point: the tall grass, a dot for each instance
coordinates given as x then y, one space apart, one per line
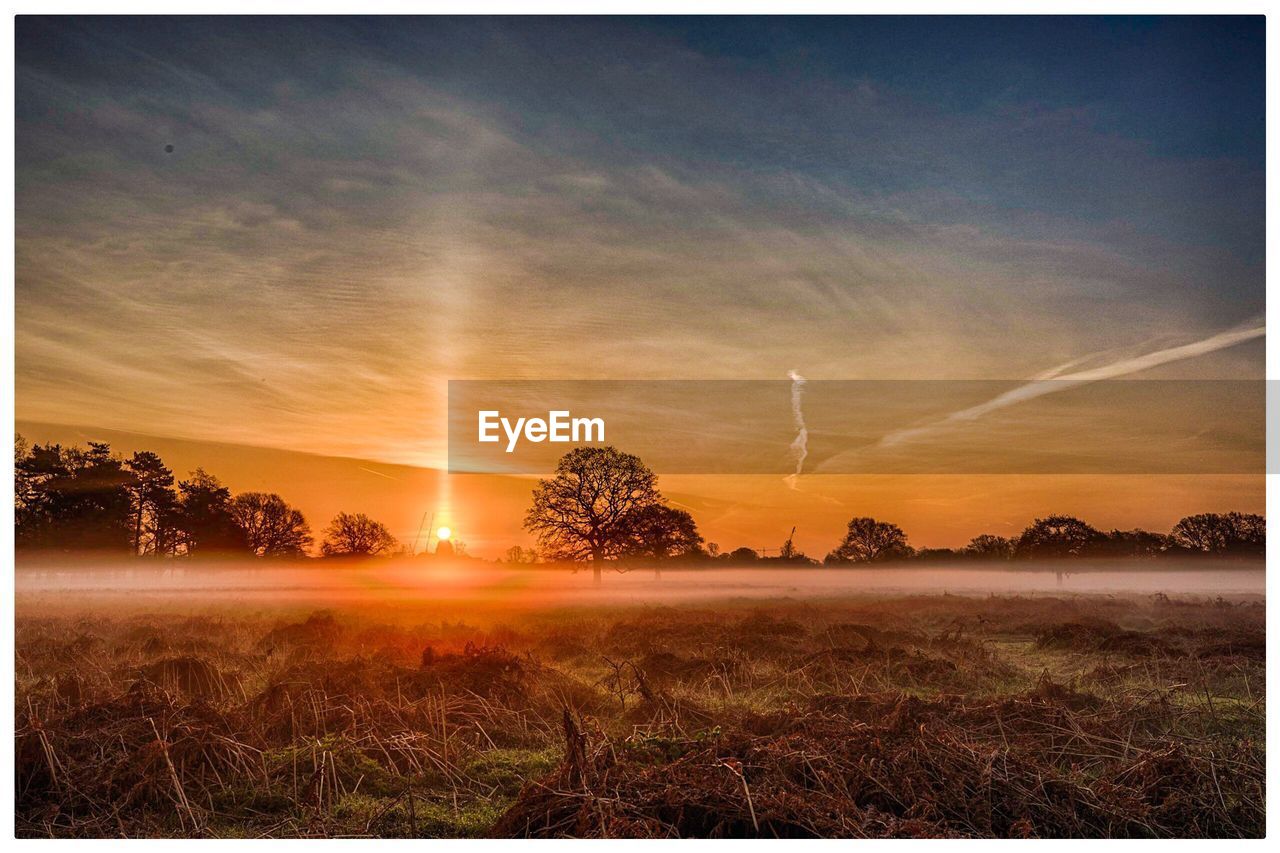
926 715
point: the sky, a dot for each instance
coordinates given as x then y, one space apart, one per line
291 233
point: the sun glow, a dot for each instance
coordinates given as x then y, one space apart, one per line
443 534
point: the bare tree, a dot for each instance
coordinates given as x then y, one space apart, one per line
356 535
585 510
517 554
1215 533
271 527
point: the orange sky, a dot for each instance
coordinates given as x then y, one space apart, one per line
289 235
756 511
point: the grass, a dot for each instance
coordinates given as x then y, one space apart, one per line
911 716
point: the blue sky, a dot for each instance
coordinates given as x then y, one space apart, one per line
356 210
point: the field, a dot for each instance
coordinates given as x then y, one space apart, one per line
927 715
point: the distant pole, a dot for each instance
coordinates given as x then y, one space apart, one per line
418 535
431 530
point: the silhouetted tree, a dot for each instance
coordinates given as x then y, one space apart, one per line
71 498
1250 533
271 527
21 486
517 554
26 493
585 511
1229 533
205 521
989 547
1130 543
743 555
660 533
871 541
356 535
1057 536
153 506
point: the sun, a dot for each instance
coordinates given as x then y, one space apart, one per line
443 534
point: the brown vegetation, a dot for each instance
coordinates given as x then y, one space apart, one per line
921 716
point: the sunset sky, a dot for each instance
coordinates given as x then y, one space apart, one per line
352 213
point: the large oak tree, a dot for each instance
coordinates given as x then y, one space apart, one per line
587 510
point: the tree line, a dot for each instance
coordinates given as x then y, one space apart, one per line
1062 536
74 498
602 506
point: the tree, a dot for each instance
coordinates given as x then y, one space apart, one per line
153 507
661 532
71 498
1214 533
1057 536
871 541
989 547
1131 543
743 555
1250 533
517 554
586 510
356 535
21 479
205 520
26 491
271 527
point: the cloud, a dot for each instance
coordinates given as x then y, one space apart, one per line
347 222
1056 380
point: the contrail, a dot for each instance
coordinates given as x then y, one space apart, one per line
376 473
800 444
1055 380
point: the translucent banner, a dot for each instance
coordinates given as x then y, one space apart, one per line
797 426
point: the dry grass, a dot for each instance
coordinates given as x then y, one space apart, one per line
920 716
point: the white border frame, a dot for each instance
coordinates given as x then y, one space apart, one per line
579 7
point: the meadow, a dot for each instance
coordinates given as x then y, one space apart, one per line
922 715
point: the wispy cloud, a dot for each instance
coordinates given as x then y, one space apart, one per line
344 225
1057 380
